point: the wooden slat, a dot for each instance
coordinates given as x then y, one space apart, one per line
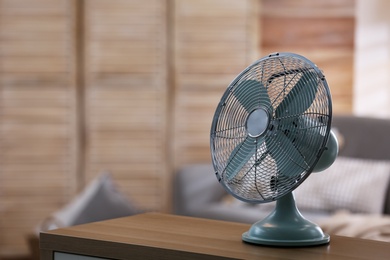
213 43
372 59
36 127
127 86
313 33
126 96
308 8
323 31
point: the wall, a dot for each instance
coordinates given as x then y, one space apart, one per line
131 87
372 59
37 115
321 30
122 86
83 90
124 96
213 42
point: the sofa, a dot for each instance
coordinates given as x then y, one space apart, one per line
357 185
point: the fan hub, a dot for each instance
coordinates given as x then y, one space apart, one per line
257 122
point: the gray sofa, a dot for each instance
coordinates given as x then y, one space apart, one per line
198 193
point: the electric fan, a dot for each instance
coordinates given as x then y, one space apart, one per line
270 130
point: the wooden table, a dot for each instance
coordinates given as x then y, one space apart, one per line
160 236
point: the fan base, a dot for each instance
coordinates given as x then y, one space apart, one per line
278 242
285 226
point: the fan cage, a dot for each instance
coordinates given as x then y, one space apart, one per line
261 178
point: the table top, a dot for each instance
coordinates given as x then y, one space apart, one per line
162 236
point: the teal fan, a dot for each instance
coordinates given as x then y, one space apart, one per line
270 131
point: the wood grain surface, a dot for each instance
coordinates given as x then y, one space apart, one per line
153 235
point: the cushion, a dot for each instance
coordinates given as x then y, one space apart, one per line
366 226
100 200
355 184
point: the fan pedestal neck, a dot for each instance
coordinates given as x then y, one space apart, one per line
285 226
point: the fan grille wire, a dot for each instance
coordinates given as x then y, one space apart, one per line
261 178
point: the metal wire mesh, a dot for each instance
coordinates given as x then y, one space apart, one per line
295 94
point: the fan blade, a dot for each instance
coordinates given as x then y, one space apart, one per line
251 94
293 103
289 160
241 155
310 134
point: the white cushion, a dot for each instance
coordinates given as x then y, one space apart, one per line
366 226
354 184
100 200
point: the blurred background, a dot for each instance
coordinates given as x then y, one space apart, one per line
130 87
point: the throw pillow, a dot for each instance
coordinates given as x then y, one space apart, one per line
354 184
100 200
